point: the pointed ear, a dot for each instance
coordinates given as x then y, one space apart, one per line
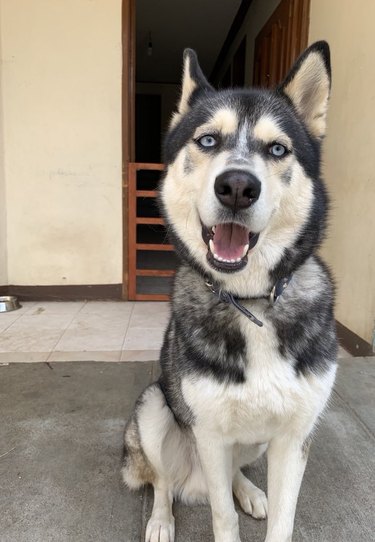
193 81
308 86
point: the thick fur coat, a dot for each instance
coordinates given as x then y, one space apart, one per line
246 209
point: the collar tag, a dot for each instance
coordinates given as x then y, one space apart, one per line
210 286
279 288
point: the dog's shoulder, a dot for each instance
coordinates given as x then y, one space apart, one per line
304 320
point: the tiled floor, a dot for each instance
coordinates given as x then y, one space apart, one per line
83 331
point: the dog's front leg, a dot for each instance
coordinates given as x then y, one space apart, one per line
216 460
287 458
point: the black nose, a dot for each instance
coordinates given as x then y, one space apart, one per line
237 189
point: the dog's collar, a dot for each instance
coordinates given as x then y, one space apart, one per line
277 290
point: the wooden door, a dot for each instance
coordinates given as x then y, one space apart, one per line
280 42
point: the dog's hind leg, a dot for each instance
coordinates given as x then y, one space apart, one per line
253 500
136 469
153 456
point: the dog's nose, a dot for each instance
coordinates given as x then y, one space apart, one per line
237 189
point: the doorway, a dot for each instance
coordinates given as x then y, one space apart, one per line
154 36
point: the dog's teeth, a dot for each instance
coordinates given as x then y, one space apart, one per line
213 229
245 250
211 245
238 260
232 261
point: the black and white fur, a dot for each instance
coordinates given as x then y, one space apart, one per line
229 390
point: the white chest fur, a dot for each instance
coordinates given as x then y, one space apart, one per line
272 397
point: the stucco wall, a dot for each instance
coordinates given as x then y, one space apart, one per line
349 156
61 64
3 239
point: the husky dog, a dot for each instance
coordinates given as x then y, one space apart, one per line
249 355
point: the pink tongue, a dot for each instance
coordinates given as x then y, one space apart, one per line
230 240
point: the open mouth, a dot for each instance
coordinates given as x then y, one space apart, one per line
228 246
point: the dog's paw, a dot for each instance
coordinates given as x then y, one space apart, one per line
227 539
253 500
160 530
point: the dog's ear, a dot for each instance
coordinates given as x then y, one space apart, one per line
308 86
193 82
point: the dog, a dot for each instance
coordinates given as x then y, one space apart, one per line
249 356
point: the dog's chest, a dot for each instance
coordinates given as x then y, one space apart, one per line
271 396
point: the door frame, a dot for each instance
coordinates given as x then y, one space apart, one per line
128 123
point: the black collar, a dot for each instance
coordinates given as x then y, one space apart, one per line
227 297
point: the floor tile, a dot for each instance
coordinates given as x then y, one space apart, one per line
23 357
140 355
29 340
139 338
96 355
7 318
56 307
41 322
90 340
95 332
108 307
152 307
150 315
99 321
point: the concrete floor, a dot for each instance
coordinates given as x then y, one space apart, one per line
61 445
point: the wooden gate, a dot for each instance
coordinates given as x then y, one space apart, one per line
143 213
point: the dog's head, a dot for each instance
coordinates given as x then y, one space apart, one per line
242 194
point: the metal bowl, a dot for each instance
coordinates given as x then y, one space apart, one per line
9 303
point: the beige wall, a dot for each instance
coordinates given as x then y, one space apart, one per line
257 16
350 155
3 240
61 65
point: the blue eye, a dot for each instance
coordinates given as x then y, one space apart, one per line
207 141
278 150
